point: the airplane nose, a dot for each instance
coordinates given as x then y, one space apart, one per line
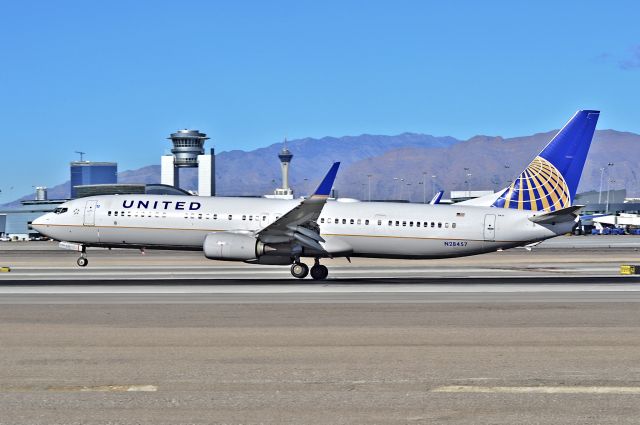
38 223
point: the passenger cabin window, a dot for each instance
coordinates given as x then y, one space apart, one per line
344 221
337 220
417 224
215 216
322 220
366 222
439 225
433 224
446 225
244 217
109 213
379 222
453 225
230 216
351 221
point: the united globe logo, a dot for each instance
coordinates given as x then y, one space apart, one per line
540 187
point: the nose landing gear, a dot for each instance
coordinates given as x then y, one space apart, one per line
83 260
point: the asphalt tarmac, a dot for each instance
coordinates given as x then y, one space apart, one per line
543 337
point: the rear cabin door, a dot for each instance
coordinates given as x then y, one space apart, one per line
490 227
90 213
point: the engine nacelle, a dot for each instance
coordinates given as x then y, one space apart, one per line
232 247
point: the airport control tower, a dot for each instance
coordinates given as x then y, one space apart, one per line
285 156
189 152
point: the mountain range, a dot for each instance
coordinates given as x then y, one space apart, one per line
401 166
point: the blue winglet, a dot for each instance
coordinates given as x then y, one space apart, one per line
437 197
327 183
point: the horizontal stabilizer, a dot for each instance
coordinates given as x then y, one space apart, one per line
557 216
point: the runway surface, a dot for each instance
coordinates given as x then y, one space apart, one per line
543 337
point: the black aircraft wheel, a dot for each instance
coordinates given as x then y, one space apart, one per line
319 272
82 261
299 270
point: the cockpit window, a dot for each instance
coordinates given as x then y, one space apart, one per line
60 210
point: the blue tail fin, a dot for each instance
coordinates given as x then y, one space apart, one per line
550 182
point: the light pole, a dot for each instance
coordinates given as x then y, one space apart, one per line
395 189
364 188
467 181
369 181
433 185
600 190
609 180
424 187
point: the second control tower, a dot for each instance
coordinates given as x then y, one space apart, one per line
189 152
285 156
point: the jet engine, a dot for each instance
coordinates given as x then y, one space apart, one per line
232 246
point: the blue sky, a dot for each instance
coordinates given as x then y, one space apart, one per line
115 78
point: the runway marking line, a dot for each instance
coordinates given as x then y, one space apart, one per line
106 388
536 390
83 389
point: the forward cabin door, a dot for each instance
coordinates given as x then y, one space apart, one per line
490 227
90 213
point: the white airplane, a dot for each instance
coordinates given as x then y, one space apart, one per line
535 207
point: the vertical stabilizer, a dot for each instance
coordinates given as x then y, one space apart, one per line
550 182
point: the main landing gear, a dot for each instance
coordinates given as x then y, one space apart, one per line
301 270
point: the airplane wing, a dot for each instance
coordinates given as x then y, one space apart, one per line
557 216
300 224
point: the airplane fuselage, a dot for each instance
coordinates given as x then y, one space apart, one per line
365 229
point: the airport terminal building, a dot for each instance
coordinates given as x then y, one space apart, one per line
90 173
